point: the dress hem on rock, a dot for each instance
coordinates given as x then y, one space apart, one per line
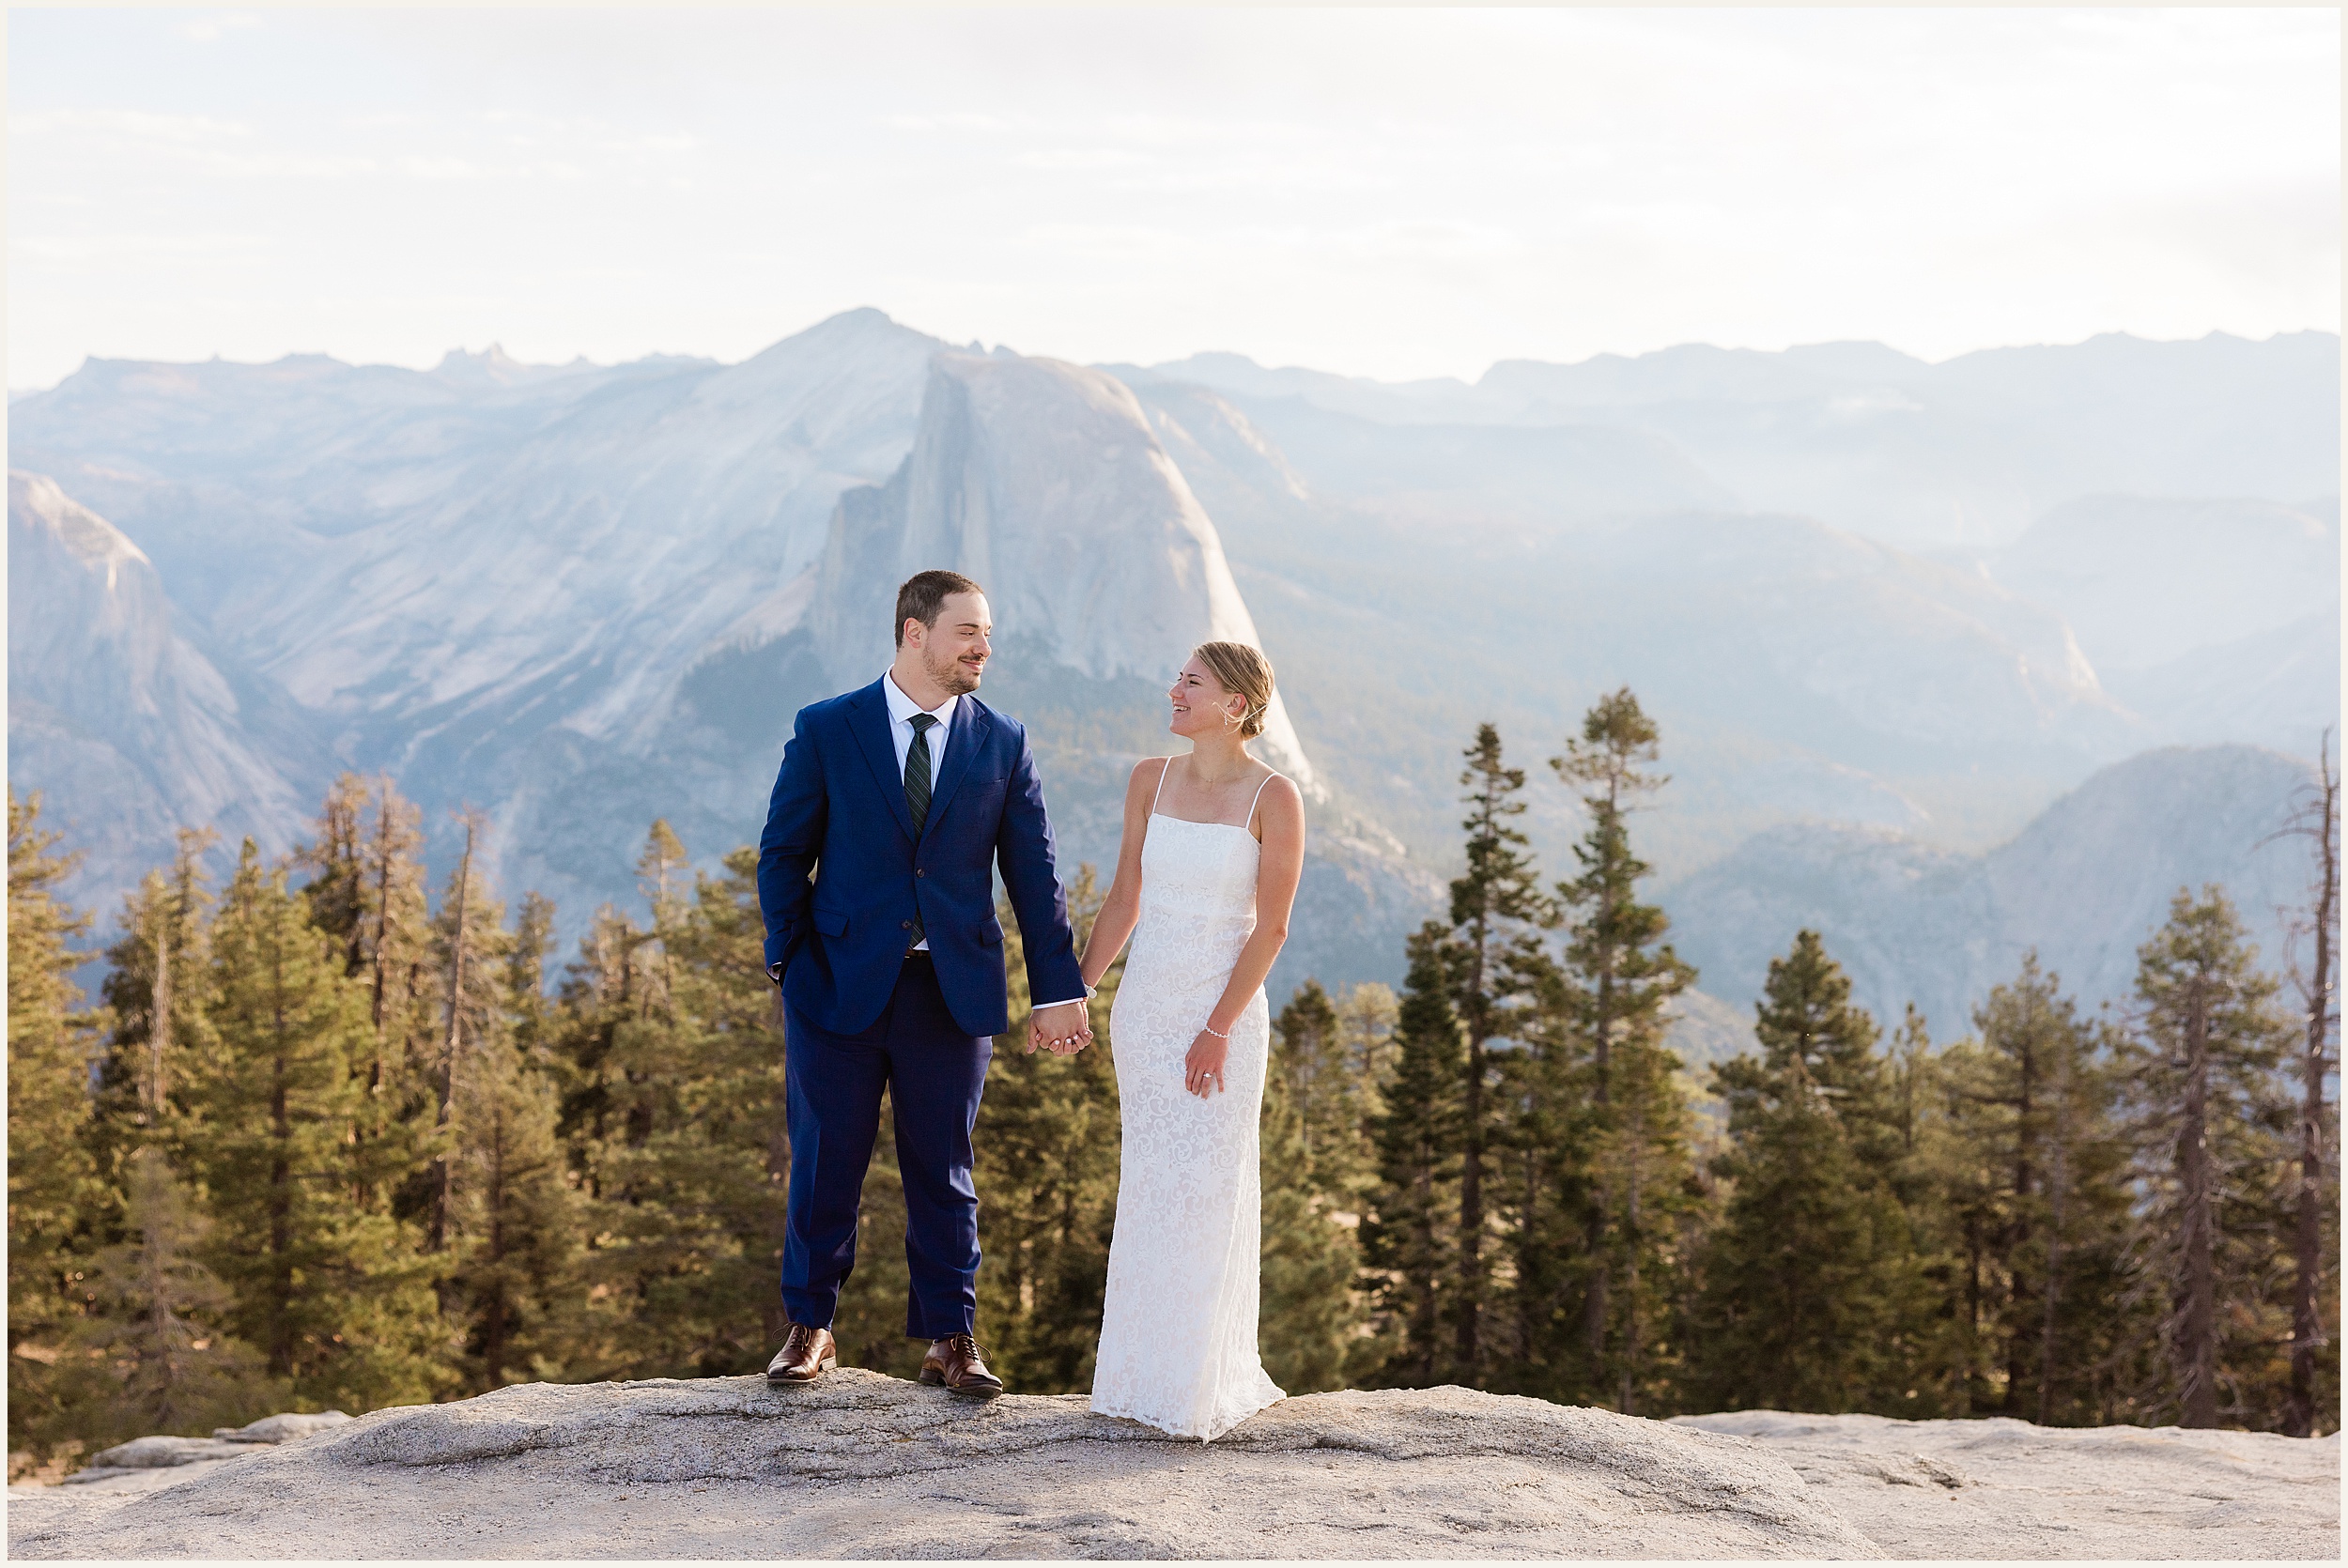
1209 1435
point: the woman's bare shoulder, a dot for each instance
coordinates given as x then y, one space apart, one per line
1280 786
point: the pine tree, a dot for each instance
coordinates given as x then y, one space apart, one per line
515 1226
1366 1014
1549 1201
2209 1125
1408 1239
669 1055
366 893
1315 1163
155 998
736 1098
1310 1318
1497 910
2034 1178
164 1363
515 1221
54 1195
1323 1074
1619 978
1810 1292
1806 1015
337 859
331 1295
396 931
2314 1399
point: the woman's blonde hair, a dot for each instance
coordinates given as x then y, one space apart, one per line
1244 671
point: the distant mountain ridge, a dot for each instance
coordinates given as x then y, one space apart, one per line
586 595
1966 452
2083 885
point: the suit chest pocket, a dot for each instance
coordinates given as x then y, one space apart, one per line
982 797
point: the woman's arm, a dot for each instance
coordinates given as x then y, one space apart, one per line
1281 811
1121 910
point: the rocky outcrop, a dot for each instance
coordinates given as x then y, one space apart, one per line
2004 1488
139 1459
1044 481
866 1466
861 1465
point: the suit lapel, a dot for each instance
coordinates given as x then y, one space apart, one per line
962 745
869 718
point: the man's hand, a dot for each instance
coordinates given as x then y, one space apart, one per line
1062 1030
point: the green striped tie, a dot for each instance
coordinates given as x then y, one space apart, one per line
918 792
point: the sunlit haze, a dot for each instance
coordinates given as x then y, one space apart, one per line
1389 194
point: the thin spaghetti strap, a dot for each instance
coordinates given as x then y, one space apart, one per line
1244 821
1164 769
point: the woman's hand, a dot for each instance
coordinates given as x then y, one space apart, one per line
1202 1068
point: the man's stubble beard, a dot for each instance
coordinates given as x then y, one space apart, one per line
950 674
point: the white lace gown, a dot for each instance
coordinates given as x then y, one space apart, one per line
1177 1328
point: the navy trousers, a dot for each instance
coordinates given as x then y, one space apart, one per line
934 1073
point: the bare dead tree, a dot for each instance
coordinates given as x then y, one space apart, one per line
2058 1181
158 1032
2317 821
452 1045
389 839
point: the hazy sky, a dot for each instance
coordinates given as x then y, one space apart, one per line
1385 192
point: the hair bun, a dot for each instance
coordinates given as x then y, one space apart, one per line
1245 672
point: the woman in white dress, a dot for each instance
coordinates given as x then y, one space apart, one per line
1214 844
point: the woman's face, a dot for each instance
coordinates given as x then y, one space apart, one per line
1201 706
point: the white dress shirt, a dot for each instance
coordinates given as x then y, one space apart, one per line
901 711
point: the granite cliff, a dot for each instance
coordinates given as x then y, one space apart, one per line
865 1465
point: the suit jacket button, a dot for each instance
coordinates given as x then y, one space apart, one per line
918 872
905 925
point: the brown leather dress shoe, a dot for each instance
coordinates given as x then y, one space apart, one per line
958 1365
806 1355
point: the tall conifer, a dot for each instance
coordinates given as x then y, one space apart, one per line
1619 978
672 1063
2313 1401
1497 910
1810 1291
2209 1124
163 1360
515 1221
1316 1170
1409 1239
155 991
2032 1178
54 1195
330 1294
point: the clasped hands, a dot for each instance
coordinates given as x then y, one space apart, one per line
1062 1030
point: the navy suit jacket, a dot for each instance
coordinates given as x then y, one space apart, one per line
841 873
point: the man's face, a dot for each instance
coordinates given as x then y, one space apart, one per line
955 650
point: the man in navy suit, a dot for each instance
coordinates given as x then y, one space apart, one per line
876 875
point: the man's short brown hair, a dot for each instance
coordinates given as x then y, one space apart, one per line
923 596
